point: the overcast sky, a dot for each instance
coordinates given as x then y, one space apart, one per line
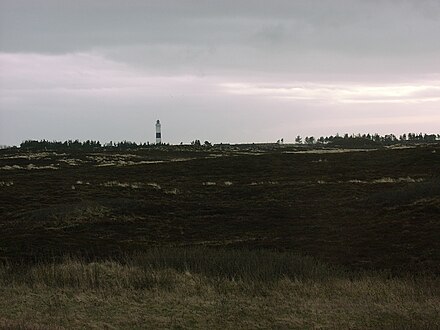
223 71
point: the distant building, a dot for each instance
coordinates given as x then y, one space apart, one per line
158 133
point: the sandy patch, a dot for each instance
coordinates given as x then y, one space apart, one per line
264 183
29 167
72 161
397 180
127 163
133 185
38 155
209 183
386 180
79 182
174 191
154 185
327 151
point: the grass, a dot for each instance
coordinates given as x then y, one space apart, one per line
189 288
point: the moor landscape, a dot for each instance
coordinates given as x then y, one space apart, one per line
250 236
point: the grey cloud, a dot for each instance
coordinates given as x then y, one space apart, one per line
108 69
400 28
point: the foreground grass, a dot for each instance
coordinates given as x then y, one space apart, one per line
204 288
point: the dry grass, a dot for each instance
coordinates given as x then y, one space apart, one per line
202 288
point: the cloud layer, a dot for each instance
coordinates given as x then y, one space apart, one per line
232 71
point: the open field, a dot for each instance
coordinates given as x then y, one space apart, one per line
262 235
204 288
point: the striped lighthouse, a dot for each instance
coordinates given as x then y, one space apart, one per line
158 133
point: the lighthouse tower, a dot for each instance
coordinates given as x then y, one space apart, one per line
158 133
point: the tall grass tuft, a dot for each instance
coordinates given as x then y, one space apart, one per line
160 267
260 265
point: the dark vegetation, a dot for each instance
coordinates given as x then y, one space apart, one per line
370 210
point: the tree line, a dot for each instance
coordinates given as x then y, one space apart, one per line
358 140
89 145
369 139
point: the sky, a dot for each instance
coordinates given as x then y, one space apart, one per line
223 71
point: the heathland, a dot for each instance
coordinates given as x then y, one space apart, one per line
250 236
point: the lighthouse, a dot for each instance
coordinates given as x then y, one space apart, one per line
158 133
